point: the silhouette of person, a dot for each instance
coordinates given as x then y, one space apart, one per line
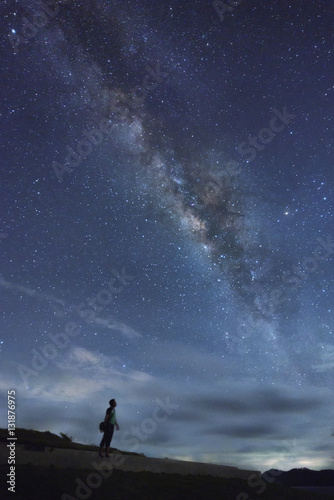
111 422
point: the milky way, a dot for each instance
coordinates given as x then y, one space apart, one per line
166 224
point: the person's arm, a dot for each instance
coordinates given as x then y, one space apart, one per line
117 426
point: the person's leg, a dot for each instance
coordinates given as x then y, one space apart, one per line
103 441
108 447
110 435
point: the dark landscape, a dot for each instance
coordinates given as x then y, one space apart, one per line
50 483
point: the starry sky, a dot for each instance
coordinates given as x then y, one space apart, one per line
166 234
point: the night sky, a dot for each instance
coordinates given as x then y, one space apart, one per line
166 234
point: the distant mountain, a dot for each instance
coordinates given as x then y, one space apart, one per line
300 477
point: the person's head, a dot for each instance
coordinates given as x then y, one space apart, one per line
112 403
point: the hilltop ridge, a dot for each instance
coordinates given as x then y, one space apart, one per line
39 440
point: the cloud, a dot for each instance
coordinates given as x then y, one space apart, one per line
326 356
73 376
30 292
113 324
80 383
254 431
162 436
273 401
224 418
108 322
227 405
187 416
277 401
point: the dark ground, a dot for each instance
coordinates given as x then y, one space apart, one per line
48 483
34 483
